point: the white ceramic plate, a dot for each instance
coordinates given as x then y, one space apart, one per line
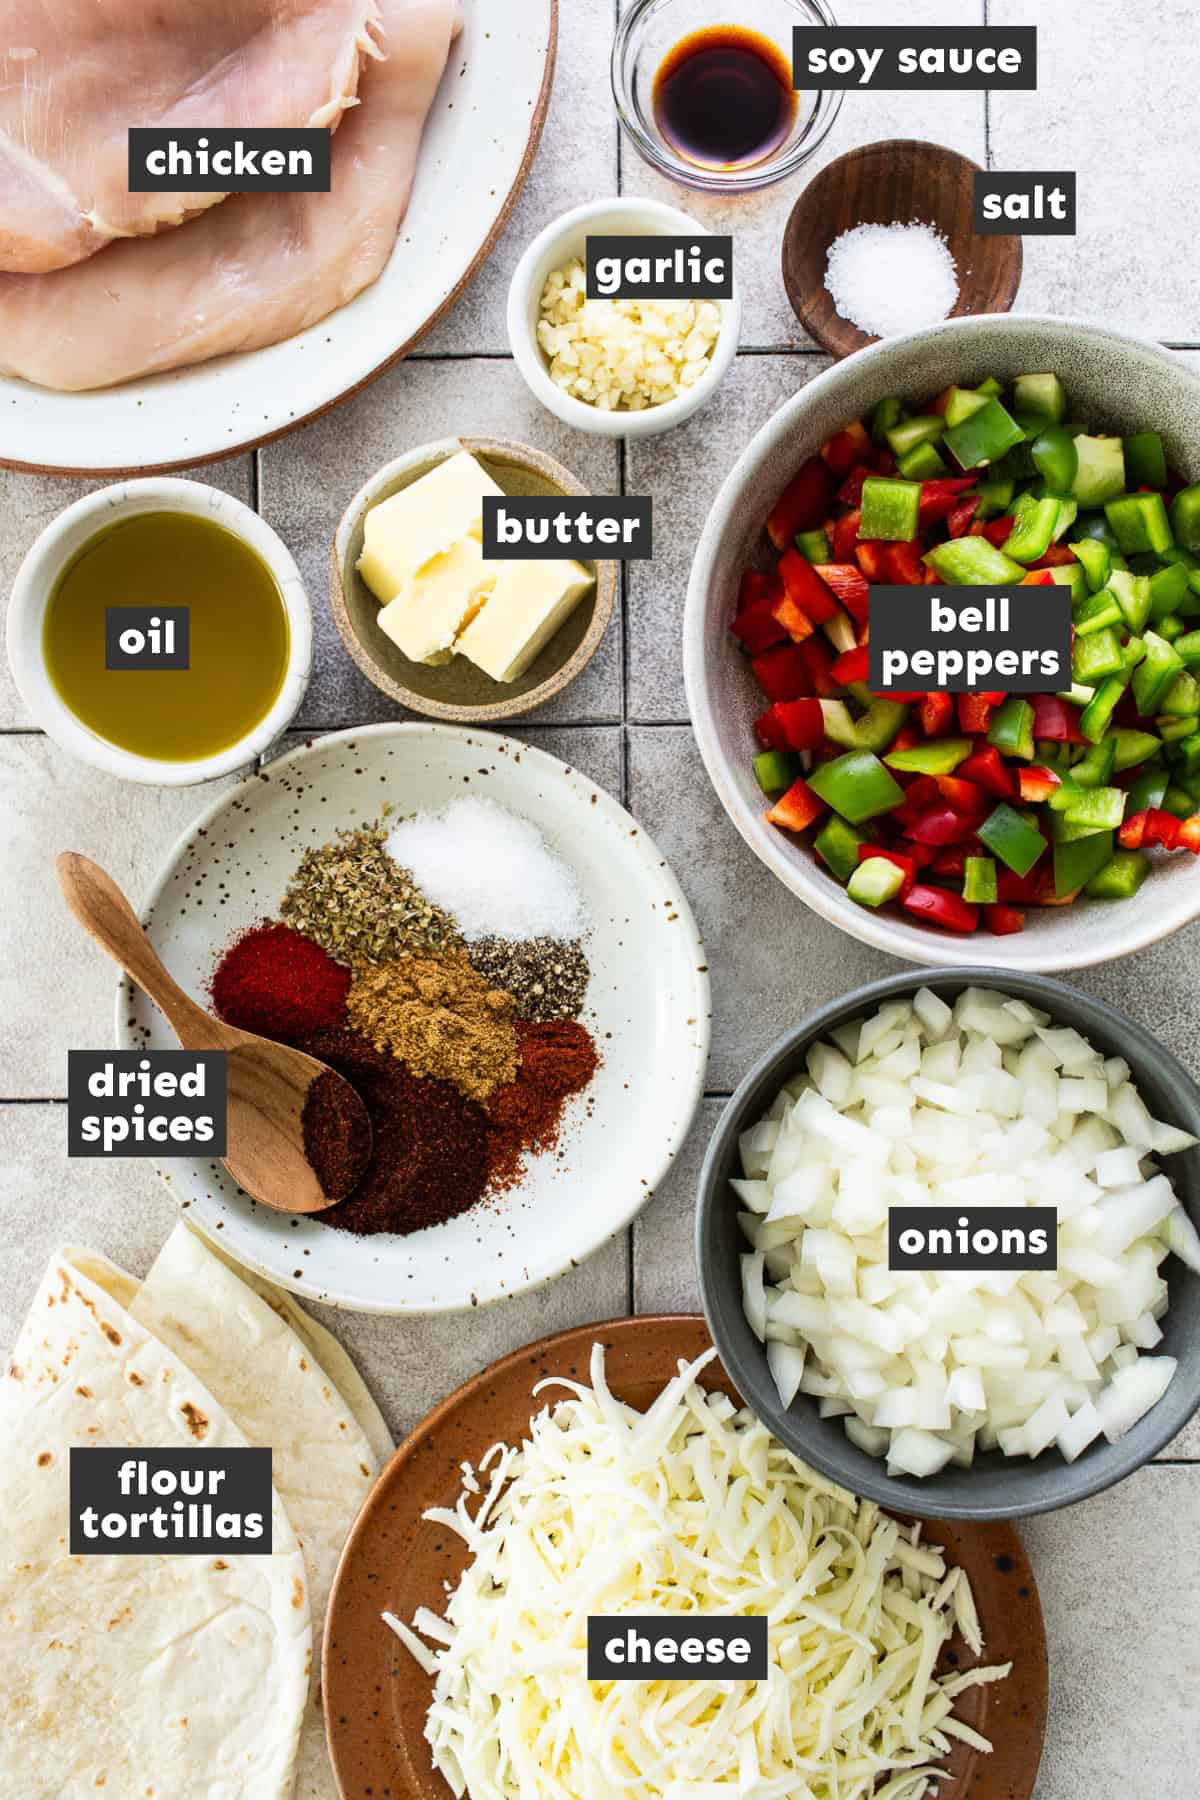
648 1006
487 117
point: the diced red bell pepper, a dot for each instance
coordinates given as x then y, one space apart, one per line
905 864
902 565
845 448
852 666
802 723
919 855
757 627
1003 921
845 536
962 795
938 906
922 793
961 518
951 863
942 826
1017 890
803 585
1162 828
1039 578
939 498
819 663
906 738
1133 831
986 768
1036 783
768 729
1058 556
996 531
936 713
850 492
755 586
797 809
1055 720
782 674
941 402
883 460
869 552
1189 834
849 584
975 712
803 505
795 621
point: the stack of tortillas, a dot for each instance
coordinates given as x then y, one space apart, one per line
175 1677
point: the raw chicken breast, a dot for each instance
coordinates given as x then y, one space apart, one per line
76 74
254 271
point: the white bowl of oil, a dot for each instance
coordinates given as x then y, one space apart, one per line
155 544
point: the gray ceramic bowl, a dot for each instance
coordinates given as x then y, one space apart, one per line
996 1487
1114 382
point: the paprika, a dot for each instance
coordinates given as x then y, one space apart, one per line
558 1060
277 983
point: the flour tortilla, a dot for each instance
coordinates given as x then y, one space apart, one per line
254 1354
146 1677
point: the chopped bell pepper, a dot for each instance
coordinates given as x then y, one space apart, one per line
857 786
1185 517
803 585
1096 612
875 881
921 464
1056 458
1145 460
756 626
1155 673
910 433
1121 877
798 809
987 770
974 562
814 546
984 437
819 664
1055 720
936 712
1133 595
979 881
962 517
905 864
1096 656
1100 476
848 583
800 723
781 674
1182 698
1097 714
903 565
775 770
939 758
1077 863
1097 808
937 906
845 448
888 413
1099 762
1097 561
795 621
1042 395
1140 522
852 666
1011 838
1169 590
803 506
939 498
874 731
1004 921
1034 530
1037 783
890 509
845 536
1011 731
838 845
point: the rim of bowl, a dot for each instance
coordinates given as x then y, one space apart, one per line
527 352
487 711
913 943
38 576
694 175
1113 1462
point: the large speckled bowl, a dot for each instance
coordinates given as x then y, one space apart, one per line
1115 383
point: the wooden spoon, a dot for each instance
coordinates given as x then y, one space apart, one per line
893 183
268 1083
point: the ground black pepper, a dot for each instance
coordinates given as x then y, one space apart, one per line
548 977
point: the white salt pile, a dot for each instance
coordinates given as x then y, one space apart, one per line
491 871
888 279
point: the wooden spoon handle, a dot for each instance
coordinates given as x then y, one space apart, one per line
102 909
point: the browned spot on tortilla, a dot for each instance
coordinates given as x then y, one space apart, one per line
15 1372
365 1470
342 1425
197 1423
56 1644
110 1332
325 1394
220 1565
85 1393
303 1364
297 1593
100 1780
136 1379
307 1664
45 1457
120 1618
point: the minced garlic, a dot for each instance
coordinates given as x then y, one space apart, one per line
623 355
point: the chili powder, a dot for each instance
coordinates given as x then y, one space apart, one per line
279 984
558 1060
337 1135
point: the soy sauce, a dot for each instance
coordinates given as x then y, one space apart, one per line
724 97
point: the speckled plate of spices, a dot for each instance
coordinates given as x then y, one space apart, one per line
647 1010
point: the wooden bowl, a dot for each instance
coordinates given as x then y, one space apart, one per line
457 691
893 183
376 1697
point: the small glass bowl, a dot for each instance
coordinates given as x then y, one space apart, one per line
650 29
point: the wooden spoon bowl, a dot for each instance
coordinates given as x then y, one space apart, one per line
268 1084
896 182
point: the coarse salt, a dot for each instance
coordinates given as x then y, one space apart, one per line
491 871
888 279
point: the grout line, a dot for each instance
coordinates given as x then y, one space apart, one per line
623 743
256 481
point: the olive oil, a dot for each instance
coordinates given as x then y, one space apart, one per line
239 638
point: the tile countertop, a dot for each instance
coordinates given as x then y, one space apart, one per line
1120 1578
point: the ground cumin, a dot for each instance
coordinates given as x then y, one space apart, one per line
441 1018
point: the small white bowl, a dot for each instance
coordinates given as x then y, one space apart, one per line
558 245
38 576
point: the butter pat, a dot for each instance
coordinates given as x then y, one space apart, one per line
525 608
403 535
439 602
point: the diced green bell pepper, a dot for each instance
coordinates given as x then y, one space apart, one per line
886 416
1186 755
1182 698
1120 878
814 546
990 387
1155 673
1130 748
1096 656
1133 596
1101 808
875 882
1011 838
1132 652
1096 559
995 497
1185 517
837 844
973 562
1040 394
1174 728
921 464
1077 863
1148 791
962 402
1145 460
1168 592
1140 522
857 786
1171 628
1096 764
1035 529
1011 729
985 437
891 510
1056 458
1062 831
1178 802
775 770
1071 575
979 881
1187 648
874 730
927 429
940 756
1095 613
1100 476
1097 714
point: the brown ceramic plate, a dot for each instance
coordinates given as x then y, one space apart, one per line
893 183
457 691
376 1697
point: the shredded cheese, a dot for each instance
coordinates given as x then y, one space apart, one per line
691 1508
